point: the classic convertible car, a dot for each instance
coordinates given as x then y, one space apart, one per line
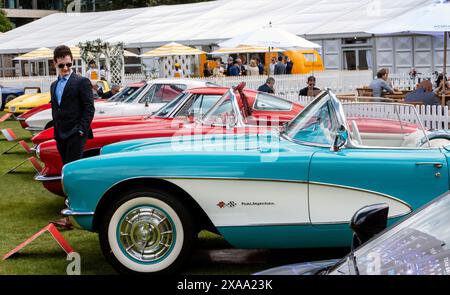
418 245
168 121
146 100
295 188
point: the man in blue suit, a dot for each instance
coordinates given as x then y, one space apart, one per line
72 107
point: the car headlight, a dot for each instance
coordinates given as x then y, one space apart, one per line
38 151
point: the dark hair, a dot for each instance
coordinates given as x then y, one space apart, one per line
61 52
91 62
311 78
280 58
381 73
270 80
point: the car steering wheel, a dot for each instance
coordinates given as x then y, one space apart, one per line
355 133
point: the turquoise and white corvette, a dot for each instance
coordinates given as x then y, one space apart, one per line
293 188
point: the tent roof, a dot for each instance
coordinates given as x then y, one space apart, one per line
204 23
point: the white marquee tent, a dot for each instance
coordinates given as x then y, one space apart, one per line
205 23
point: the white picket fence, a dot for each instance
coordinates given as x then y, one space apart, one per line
338 81
405 81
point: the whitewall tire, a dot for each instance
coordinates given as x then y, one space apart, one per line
147 232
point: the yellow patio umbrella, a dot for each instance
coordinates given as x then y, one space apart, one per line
44 53
245 49
172 49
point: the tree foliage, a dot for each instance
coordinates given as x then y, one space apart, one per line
5 24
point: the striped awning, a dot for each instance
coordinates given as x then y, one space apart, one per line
46 53
172 49
245 49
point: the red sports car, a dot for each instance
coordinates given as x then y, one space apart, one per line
256 111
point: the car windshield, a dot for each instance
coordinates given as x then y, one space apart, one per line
225 112
317 123
125 94
167 109
420 245
377 124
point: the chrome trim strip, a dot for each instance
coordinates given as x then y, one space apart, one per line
20 119
232 178
267 224
363 190
44 178
34 129
69 212
348 222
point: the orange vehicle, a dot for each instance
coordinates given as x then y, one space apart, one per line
305 61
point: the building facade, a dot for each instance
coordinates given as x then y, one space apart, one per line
21 12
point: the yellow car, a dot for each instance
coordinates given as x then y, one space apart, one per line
29 101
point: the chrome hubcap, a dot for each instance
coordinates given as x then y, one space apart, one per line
146 234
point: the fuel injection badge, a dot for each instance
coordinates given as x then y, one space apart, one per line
232 204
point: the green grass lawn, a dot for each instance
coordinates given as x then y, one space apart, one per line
26 207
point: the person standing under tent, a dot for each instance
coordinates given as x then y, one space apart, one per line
280 67
229 65
260 66
93 72
272 66
253 69
289 65
218 70
178 73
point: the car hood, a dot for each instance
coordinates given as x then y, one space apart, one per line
30 99
208 143
306 268
148 125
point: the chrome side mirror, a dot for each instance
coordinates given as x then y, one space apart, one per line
368 222
341 139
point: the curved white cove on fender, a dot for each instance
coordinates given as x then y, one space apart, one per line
336 204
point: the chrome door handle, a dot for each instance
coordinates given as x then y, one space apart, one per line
435 164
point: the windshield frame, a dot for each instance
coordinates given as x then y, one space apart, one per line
239 121
336 108
185 97
111 99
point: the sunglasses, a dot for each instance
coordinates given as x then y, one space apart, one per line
68 65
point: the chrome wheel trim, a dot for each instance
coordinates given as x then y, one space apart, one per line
146 234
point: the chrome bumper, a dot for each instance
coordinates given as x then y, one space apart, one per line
69 212
44 178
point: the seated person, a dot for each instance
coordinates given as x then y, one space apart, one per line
379 86
310 90
114 90
424 93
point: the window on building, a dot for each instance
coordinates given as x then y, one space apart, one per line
357 54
